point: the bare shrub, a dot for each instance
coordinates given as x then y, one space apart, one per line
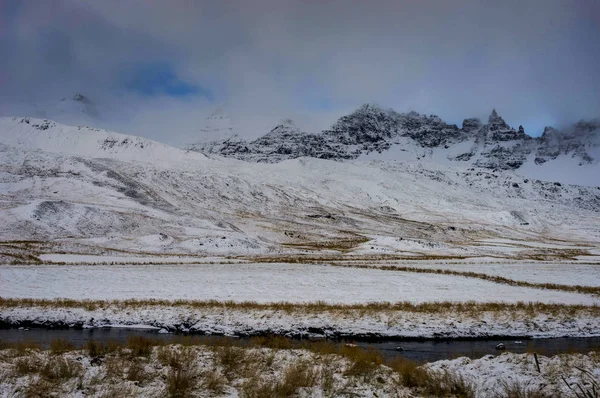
59 369
38 388
214 381
411 374
136 371
363 362
26 365
180 382
443 384
176 357
99 348
140 346
299 375
231 359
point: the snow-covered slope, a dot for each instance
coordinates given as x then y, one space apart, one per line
371 132
46 135
75 109
107 190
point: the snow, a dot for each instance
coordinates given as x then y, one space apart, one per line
222 320
261 283
110 191
97 259
565 169
46 135
558 273
491 374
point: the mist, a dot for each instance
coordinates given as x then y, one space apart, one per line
158 69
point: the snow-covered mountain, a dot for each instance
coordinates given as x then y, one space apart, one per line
75 109
371 132
90 190
46 135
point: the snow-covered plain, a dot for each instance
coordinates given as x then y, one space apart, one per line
298 283
534 272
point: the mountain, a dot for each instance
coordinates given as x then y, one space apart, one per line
371 132
285 141
89 191
46 135
75 109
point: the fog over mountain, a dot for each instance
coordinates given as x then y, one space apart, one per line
158 69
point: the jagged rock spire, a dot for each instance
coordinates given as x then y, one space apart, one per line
496 122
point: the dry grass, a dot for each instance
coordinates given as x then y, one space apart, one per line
438 307
19 348
246 365
176 357
237 361
362 362
296 376
60 346
58 369
595 290
517 389
214 381
446 384
410 373
100 348
180 382
39 388
47 374
26 365
141 346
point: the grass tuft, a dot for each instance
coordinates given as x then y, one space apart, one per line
60 346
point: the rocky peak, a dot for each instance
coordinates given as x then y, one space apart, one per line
81 98
285 128
496 122
549 132
471 125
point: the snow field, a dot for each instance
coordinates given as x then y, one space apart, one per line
261 283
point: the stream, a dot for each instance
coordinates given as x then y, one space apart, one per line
418 350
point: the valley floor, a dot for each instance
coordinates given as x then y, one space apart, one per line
339 299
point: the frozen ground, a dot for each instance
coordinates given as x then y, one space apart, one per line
579 371
261 283
558 273
235 372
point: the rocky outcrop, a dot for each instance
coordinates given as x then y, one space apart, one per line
372 129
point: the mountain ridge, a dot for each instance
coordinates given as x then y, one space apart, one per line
371 129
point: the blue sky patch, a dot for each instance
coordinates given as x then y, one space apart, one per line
160 79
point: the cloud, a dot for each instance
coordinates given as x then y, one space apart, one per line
309 60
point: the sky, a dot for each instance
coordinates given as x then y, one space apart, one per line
158 68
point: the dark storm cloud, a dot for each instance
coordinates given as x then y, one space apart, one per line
535 61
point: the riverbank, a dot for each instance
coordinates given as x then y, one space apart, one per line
375 320
269 367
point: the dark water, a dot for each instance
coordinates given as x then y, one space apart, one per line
422 351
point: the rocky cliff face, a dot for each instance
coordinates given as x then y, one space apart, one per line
372 129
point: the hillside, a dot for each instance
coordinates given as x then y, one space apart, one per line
92 191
